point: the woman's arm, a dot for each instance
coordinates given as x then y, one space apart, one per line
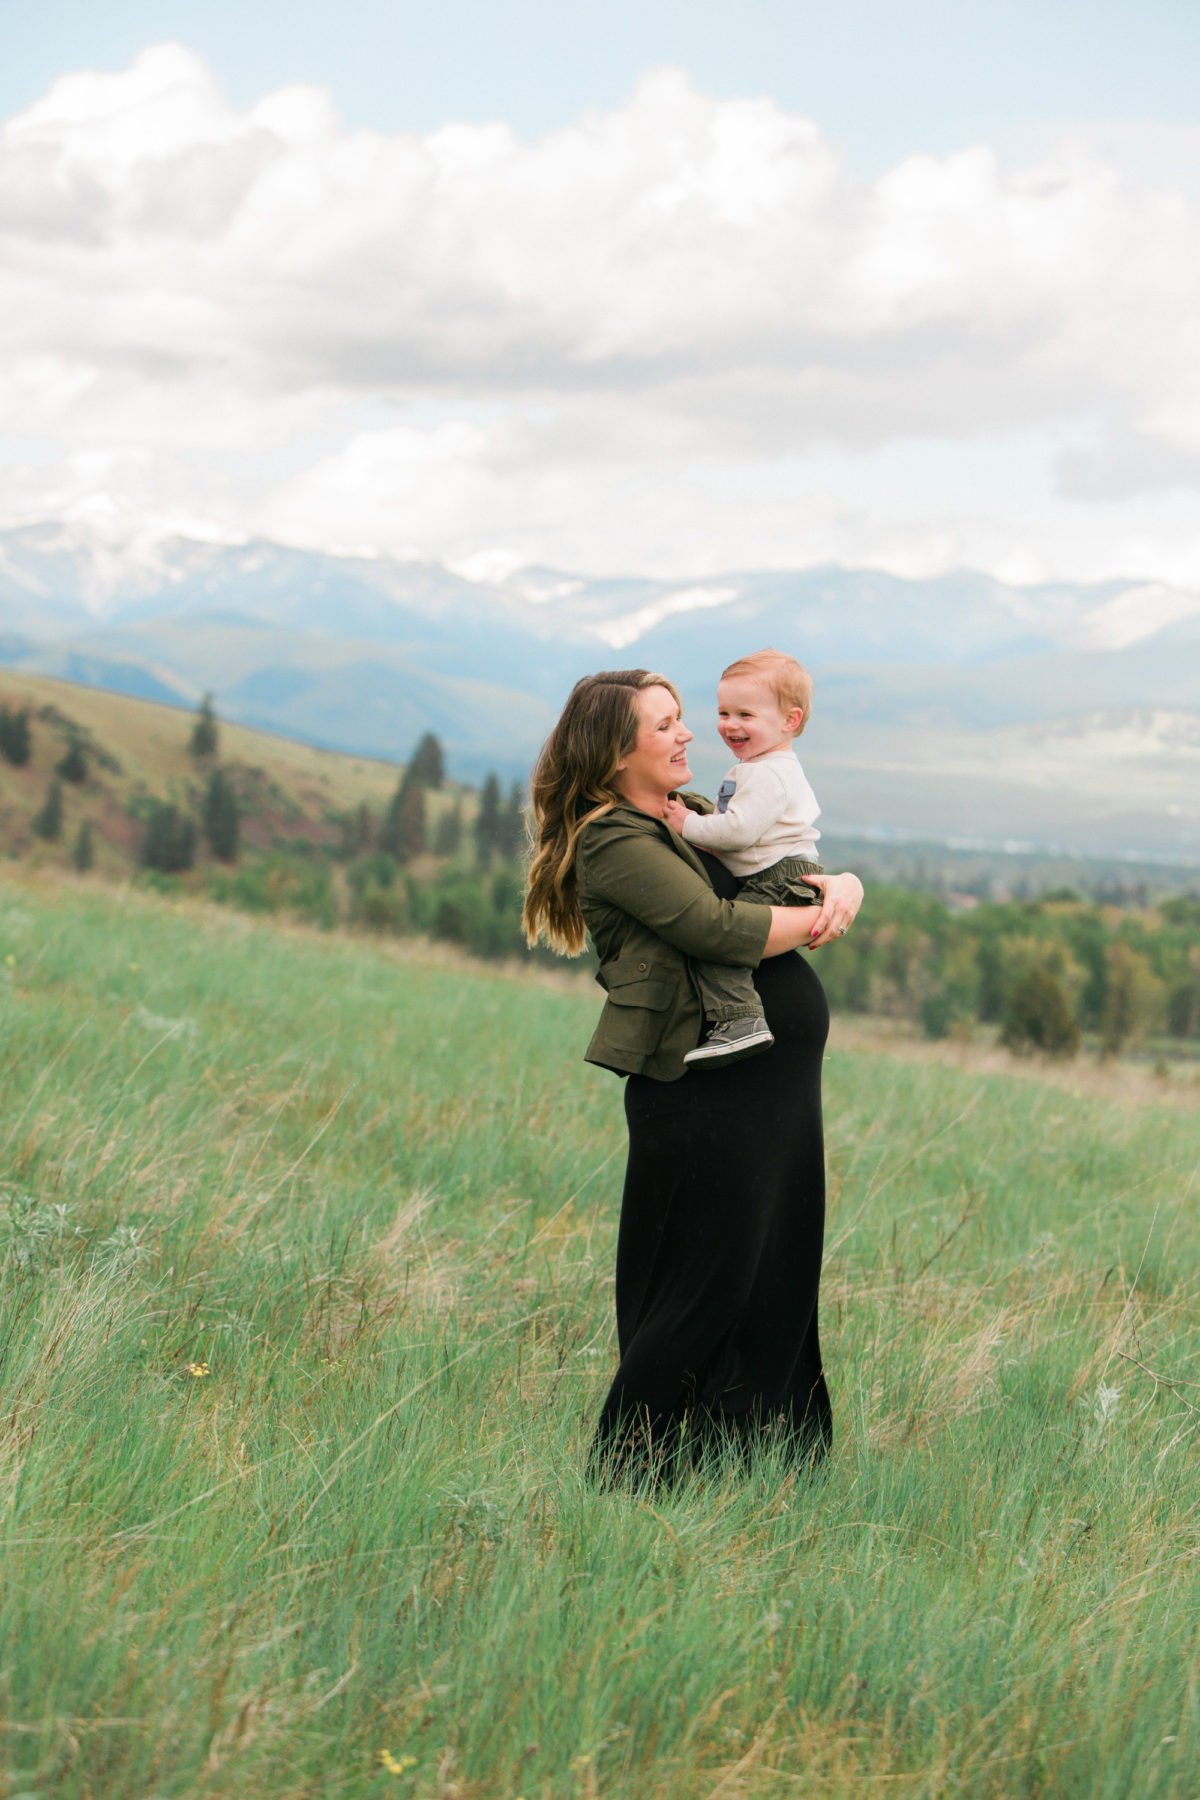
637 871
798 927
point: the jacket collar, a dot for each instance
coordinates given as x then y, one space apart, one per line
626 815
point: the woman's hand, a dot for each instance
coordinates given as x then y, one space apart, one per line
843 897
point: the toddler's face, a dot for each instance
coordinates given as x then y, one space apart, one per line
750 718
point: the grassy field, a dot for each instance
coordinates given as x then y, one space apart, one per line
306 1312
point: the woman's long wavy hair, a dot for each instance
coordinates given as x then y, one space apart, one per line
572 785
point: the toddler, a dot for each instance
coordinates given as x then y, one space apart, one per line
763 830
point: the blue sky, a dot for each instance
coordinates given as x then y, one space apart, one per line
674 287
885 78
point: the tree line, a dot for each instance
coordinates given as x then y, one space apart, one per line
1047 974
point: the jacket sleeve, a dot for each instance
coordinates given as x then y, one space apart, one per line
761 799
644 877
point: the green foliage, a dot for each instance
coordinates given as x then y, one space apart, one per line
83 850
280 884
47 822
427 767
1037 1012
488 821
1044 971
205 734
72 764
402 834
169 840
1134 1002
16 743
306 1375
510 826
222 822
449 834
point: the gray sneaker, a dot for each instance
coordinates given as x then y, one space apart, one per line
731 1041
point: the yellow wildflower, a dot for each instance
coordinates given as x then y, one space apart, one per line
11 960
396 1765
197 1370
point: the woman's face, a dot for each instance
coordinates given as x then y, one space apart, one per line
657 763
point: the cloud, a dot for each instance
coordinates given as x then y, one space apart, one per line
471 333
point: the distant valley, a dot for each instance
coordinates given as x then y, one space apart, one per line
957 707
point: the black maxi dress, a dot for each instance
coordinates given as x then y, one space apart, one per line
720 1242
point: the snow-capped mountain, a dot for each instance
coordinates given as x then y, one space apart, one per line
927 679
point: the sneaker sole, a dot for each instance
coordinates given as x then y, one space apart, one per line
726 1054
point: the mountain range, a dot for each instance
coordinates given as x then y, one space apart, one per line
953 707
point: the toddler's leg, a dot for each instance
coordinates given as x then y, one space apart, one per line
733 1010
727 992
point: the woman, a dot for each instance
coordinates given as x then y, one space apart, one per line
719 1251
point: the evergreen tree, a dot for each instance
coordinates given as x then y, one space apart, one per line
83 853
361 829
222 823
402 834
428 764
170 841
72 765
15 743
448 840
487 820
510 827
203 741
48 820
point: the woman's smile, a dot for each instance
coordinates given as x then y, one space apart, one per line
657 764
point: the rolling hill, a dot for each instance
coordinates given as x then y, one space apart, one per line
1063 715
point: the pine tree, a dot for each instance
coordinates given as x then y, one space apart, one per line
402 834
448 840
487 820
15 744
203 741
72 765
83 853
428 764
170 841
510 828
48 820
222 822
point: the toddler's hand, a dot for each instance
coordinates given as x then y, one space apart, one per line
675 812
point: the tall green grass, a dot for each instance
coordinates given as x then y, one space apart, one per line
305 1315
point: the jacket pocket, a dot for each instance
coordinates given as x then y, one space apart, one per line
635 1016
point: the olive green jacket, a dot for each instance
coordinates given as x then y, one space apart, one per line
649 907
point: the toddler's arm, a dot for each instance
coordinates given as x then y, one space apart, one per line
760 800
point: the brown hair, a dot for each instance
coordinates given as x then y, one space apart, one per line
572 785
788 680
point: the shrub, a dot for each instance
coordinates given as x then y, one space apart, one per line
222 822
72 764
47 822
83 852
16 745
169 844
1038 1014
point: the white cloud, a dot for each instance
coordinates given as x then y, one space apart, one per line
656 337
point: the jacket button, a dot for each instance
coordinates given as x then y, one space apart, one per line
641 968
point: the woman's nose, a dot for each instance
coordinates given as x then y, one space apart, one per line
685 736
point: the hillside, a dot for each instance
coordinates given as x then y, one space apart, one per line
306 1250
290 794
1063 715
